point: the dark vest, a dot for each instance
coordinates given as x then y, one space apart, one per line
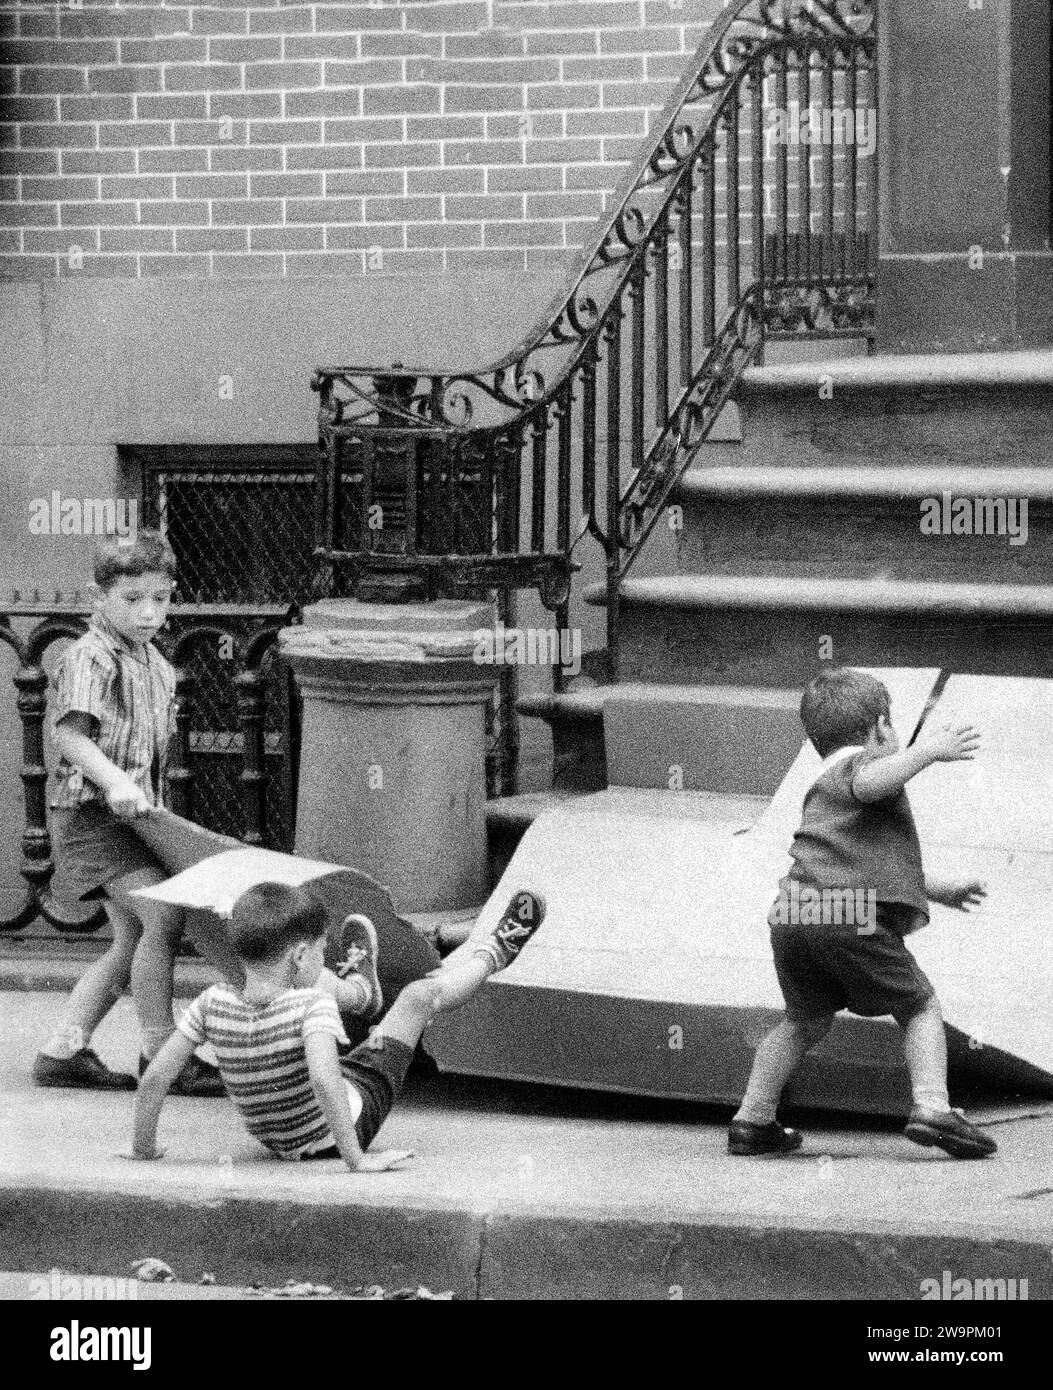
846 843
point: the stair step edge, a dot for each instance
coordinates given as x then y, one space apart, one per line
912 372
833 595
589 703
896 483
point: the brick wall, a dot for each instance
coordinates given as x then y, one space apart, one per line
236 138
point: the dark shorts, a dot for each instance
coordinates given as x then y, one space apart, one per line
92 848
377 1070
823 970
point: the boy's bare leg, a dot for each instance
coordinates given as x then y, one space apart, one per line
932 1122
154 960
153 966
777 1058
440 992
98 989
463 974
925 1048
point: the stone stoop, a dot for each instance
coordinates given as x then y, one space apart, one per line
811 527
802 543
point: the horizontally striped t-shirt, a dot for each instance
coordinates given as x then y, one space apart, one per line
261 1057
129 690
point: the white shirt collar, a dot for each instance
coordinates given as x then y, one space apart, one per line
839 755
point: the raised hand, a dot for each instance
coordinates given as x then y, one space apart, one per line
953 743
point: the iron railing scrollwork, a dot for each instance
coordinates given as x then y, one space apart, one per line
31 682
232 760
727 231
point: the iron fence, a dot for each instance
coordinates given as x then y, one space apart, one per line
232 762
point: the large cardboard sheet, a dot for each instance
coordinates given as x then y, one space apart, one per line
210 871
657 909
993 816
217 882
652 972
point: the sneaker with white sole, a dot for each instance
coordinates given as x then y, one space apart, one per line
358 956
519 921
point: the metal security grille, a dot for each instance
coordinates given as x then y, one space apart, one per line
242 535
241 521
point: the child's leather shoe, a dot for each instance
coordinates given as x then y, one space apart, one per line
84 1070
198 1078
949 1130
748 1139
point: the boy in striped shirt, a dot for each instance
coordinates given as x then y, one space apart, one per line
278 1038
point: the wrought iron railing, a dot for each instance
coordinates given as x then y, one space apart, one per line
725 232
232 761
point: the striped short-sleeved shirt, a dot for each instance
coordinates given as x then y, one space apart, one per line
129 690
263 1062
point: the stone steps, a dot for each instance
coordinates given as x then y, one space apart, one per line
966 410
802 544
867 522
718 742
776 630
637 733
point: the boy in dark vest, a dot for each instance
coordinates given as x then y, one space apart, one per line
857 833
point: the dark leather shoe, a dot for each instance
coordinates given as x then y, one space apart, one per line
744 1138
84 1070
198 1078
949 1130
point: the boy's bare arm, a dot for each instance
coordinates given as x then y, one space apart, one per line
885 777
154 1085
73 740
961 893
323 1066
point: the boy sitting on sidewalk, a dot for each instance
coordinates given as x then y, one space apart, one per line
857 832
277 1038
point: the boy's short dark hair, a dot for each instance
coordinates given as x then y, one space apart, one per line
271 917
149 553
841 706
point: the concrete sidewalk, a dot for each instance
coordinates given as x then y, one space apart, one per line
516 1191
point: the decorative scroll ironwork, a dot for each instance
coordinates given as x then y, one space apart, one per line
250 691
722 234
